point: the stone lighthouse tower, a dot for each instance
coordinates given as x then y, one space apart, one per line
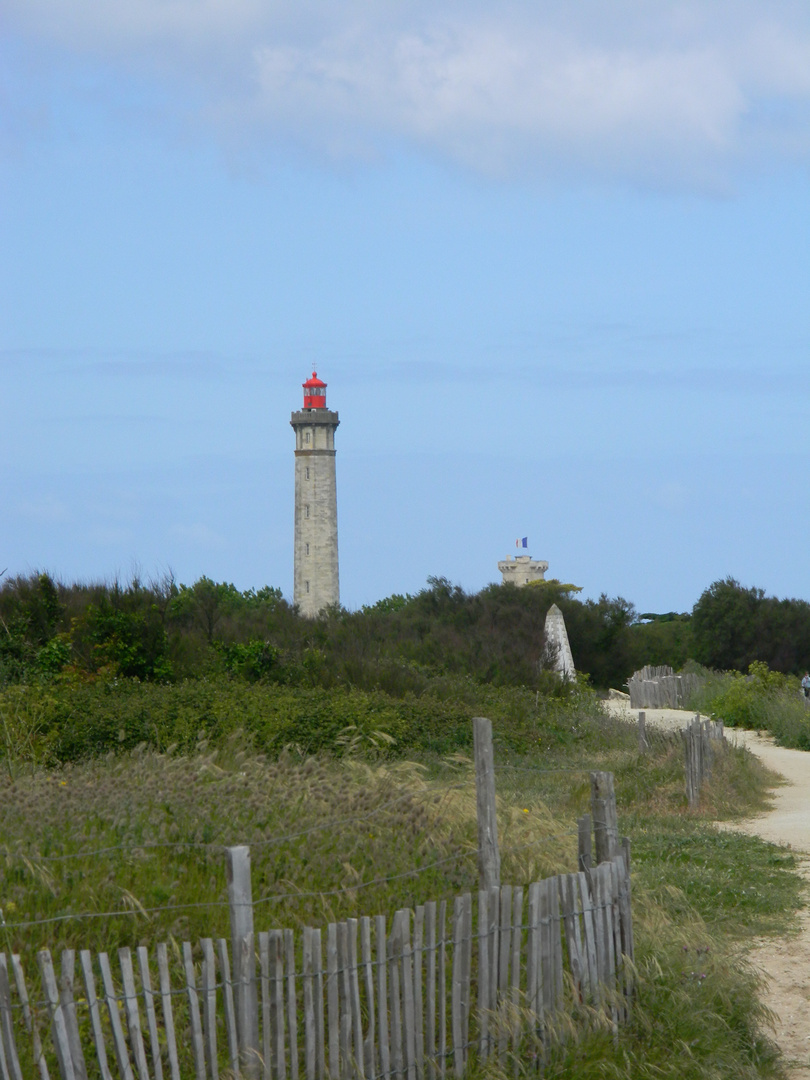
316 546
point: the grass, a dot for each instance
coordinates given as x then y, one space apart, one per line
335 838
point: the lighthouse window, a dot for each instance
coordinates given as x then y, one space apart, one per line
307 510
306 437
307 586
307 472
307 546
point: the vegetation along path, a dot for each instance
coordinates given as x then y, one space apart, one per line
786 961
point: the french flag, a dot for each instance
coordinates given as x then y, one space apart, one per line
523 542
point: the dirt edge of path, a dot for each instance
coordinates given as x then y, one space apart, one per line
785 962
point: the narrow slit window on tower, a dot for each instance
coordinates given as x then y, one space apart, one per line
307 547
307 584
306 472
307 510
306 437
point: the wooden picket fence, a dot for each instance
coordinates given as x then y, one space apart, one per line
410 998
701 739
660 688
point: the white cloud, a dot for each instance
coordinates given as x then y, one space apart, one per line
671 90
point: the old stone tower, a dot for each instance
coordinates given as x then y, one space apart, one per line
315 583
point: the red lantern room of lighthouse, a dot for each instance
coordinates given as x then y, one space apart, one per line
314 393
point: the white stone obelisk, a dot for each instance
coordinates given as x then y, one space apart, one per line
316 584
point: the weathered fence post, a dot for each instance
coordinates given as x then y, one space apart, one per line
584 846
693 747
489 856
605 822
240 899
691 800
643 744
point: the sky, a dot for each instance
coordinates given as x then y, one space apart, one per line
551 259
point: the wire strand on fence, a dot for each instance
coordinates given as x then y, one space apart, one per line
276 897
441 941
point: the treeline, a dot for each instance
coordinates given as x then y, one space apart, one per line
165 632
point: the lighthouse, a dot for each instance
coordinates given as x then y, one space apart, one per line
315 584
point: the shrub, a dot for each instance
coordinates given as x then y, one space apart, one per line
762 700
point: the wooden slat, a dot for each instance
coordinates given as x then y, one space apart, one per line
353 965
279 1027
292 1002
320 1042
545 994
430 987
618 982
591 967
228 1006
571 926
164 979
441 974
209 1007
69 1011
111 999
308 980
248 1029
603 920
599 927
12 1061
467 951
626 915
395 1011
333 1001
30 1019
267 1022
367 960
197 1047
151 1015
579 935
493 924
94 1007
59 1032
484 973
462 945
575 927
5 1073
418 980
533 999
515 972
557 944
344 983
551 958
606 911
132 1014
504 957
382 994
457 990
504 941
408 1007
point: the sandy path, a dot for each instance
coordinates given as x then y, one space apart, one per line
785 961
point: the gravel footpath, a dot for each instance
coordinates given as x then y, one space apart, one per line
785 961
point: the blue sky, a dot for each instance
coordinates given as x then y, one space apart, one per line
553 265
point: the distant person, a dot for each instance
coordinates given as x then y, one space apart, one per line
806 684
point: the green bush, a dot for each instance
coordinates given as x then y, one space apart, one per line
762 700
79 718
